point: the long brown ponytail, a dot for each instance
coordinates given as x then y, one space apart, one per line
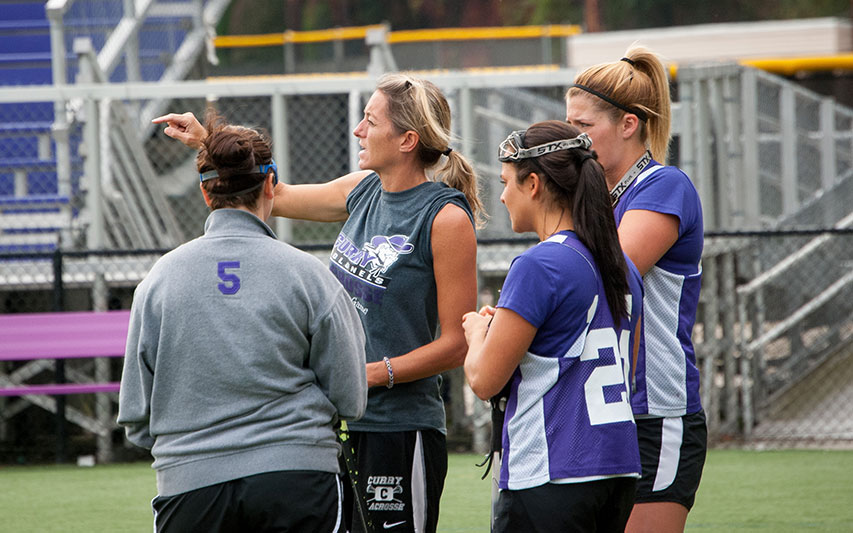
575 180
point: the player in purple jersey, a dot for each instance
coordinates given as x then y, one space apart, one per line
562 336
624 106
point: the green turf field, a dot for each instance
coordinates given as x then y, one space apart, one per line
781 491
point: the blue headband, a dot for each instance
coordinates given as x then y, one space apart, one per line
260 169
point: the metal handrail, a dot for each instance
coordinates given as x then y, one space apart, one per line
790 260
803 311
149 211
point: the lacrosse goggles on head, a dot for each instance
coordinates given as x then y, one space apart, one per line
512 149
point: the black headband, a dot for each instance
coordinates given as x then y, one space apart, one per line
639 112
629 61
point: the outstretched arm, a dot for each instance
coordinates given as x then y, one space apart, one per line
454 252
321 202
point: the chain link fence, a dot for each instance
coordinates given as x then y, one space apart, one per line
316 151
796 323
36 427
774 336
773 343
134 168
763 152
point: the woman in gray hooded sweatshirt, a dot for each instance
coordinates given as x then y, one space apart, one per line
242 355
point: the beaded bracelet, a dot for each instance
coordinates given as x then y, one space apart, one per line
390 372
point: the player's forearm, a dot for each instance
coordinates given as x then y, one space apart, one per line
474 369
445 353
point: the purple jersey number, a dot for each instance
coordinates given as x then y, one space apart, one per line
230 282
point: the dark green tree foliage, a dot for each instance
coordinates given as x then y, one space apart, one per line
635 14
269 16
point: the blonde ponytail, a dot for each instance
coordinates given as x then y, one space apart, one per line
660 107
459 174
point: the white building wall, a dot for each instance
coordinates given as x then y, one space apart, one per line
718 42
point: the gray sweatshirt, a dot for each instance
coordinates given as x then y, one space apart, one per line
242 353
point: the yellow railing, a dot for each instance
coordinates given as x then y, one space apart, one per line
278 39
470 34
403 36
788 66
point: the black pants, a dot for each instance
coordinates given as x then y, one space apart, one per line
672 451
274 501
401 477
594 506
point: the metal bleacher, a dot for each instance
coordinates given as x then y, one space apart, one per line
32 210
42 186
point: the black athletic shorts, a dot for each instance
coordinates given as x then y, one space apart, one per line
672 452
401 476
275 501
595 506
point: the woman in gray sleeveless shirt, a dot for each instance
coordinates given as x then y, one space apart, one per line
406 255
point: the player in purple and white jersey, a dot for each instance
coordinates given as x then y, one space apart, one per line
562 336
624 106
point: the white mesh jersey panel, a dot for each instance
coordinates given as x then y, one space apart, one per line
666 363
528 453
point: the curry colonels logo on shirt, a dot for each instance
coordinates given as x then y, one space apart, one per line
384 491
374 258
363 270
386 250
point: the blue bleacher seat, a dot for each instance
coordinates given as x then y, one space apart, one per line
24 11
95 11
27 75
7 184
25 130
37 111
25 127
31 223
25 26
41 182
18 43
23 144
